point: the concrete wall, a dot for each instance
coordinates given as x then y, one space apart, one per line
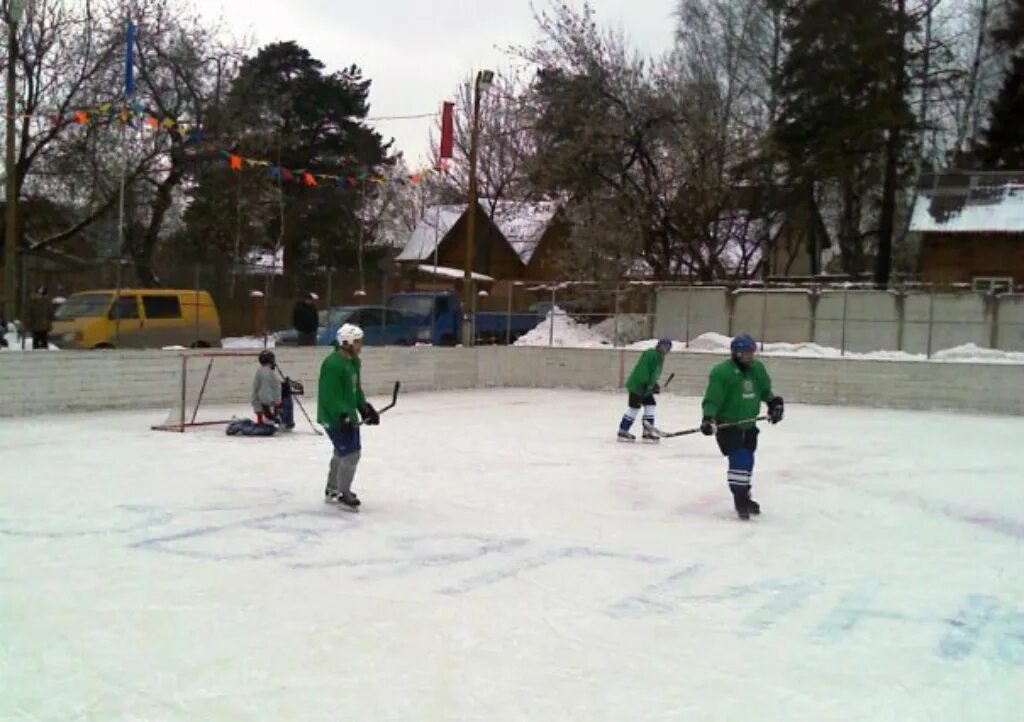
956 319
38 383
687 313
779 316
1010 327
872 320
875 320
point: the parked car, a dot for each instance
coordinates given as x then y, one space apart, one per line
436 318
137 318
381 326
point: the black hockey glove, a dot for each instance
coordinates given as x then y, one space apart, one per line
369 414
775 410
346 427
656 389
707 426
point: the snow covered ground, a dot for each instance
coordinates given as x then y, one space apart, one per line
14 343
513 562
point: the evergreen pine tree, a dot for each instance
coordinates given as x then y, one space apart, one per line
839 102
1001 145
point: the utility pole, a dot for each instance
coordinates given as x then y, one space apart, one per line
11 191
484 78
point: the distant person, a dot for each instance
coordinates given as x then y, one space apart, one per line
306 319
642 385
271 401
40 318
3 330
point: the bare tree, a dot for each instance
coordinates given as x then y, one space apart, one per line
65 54
505 141
75 144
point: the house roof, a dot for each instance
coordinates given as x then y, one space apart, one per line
522 224
429 232
957 202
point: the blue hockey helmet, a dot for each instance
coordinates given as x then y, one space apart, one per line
665 343
743 342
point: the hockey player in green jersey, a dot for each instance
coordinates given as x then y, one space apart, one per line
734 394
642 385
340 405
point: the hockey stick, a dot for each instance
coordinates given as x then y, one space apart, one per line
298 403
668 381
687 432
394 400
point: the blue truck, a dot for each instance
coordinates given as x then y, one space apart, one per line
436 318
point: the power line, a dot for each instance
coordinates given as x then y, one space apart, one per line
421 115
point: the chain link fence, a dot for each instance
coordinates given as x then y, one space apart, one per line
255 307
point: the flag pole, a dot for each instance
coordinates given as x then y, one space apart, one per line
129 92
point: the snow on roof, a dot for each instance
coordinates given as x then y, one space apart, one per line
446 272
260 262
522 224
435 224
975 210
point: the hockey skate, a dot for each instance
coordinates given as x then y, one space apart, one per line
349 501
330 495
625 436
651 435
742 507
753 507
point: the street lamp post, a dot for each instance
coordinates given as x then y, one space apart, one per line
484 78
15 8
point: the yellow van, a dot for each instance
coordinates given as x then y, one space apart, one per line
137 318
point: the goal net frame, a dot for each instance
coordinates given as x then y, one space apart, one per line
187 413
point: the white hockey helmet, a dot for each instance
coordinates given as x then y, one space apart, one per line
348 333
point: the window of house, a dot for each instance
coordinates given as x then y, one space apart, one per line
161 306
992 284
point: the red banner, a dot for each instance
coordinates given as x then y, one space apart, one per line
447 130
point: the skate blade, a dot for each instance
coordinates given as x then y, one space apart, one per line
625 441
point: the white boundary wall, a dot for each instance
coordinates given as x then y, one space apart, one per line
70 381
854 320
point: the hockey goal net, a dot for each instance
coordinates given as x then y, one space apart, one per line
211 388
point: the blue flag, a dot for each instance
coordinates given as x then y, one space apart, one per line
129 65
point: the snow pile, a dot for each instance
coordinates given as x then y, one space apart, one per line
719 344
14 343
244 342
970 352
632 327
567 333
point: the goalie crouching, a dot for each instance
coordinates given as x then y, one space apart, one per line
271 401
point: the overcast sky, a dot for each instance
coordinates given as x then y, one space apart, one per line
417 51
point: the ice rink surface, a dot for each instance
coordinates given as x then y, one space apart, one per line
513 562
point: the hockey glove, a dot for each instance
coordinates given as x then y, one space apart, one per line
656 389
707 426
775 410
346 427
369 414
